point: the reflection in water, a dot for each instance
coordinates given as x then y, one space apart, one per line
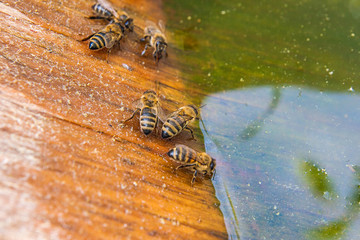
255 126
264 192
337 228
318 180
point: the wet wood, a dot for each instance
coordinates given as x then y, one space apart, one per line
68 170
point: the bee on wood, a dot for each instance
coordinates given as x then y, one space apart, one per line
149 107
179 120
199 162
103 11
154 37
114 31
106 37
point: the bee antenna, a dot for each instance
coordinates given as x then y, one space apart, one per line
202 122
202 106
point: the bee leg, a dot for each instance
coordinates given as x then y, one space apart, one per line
109 50
193 179
156 126
87 38
156 57
132 116
213 175
146 47
185 165
96 17
107 55
192 133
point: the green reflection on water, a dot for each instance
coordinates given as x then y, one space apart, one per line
334 230
317 180
337 228
255 126
231 44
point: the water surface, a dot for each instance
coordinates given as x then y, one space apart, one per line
282 111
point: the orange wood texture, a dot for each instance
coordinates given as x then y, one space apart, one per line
68 170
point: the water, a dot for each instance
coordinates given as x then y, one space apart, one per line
283 80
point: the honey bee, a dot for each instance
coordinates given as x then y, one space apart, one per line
106 37
179 120
155 38
149 108
114 31
102 11
189 158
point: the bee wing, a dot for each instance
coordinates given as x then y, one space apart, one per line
149 23
182 113
136 103
162 26
172 114
121 14
181 146
110 37
106 4
161 114
150 28
138 33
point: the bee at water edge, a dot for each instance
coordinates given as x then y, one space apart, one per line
179 120
199 162
154 37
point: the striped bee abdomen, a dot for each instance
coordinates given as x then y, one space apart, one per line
147 120
173 126
98 41
101 11
183 154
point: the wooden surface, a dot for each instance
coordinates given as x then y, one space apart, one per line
67 169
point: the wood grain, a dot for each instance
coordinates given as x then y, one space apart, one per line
68 170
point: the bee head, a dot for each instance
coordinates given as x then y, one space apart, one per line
129 24
160 48
212 164
212 167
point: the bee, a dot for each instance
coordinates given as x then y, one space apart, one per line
179 120
189 158
114 31
155 38
106 37
102 11
149 108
